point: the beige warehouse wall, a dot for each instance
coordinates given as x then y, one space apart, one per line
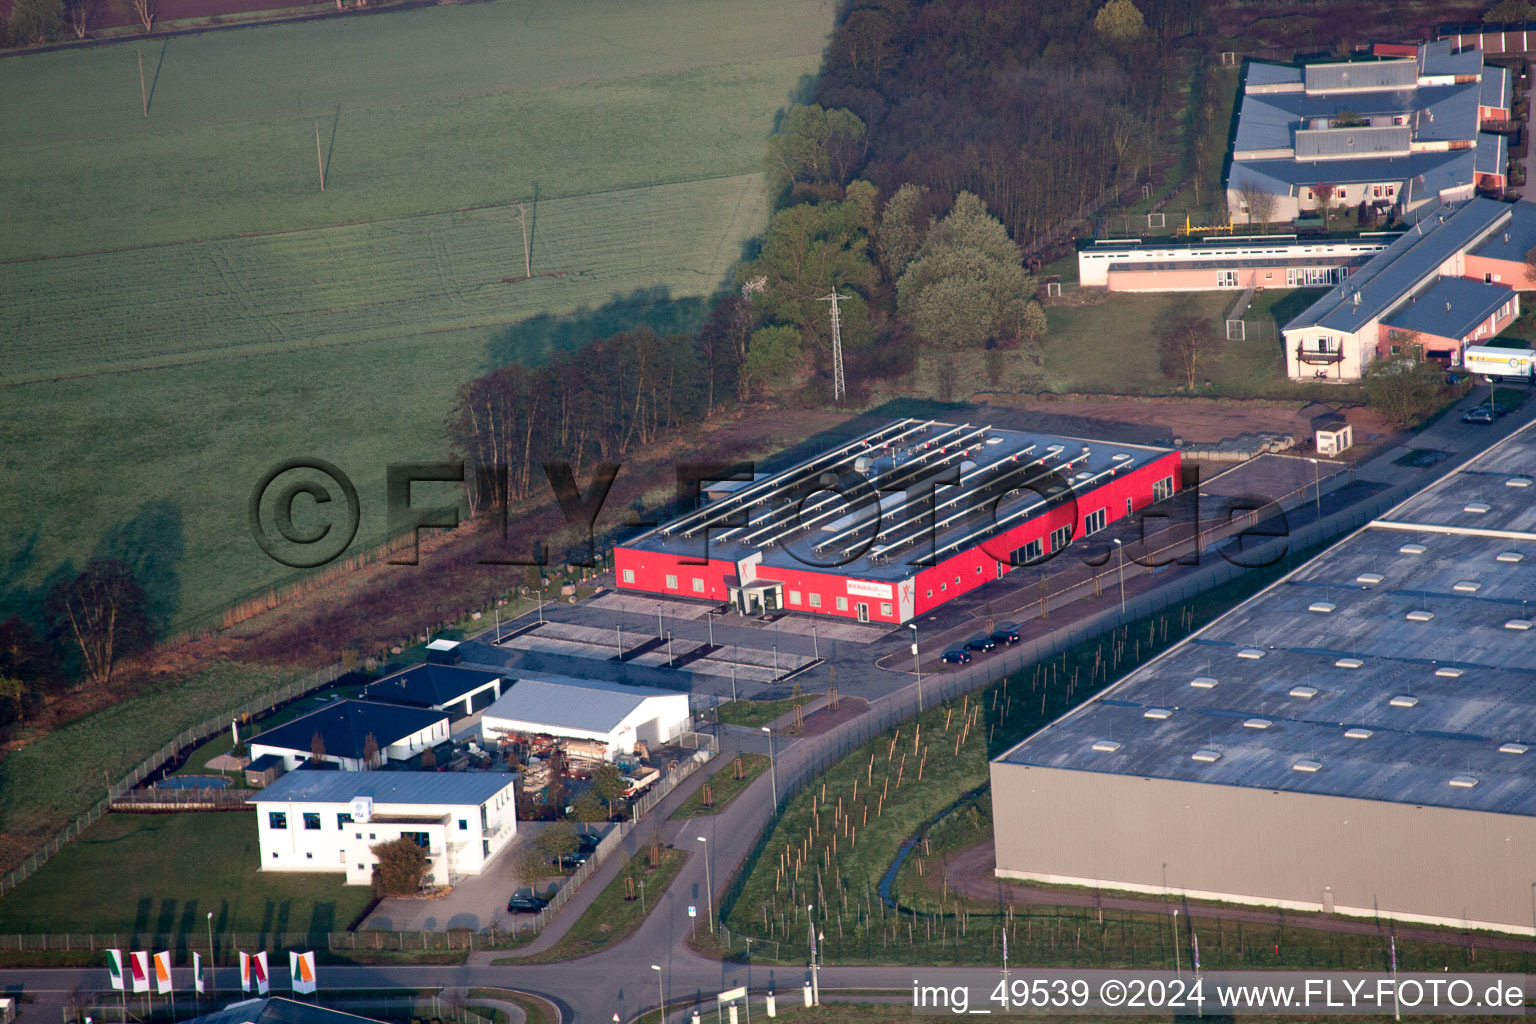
1426 864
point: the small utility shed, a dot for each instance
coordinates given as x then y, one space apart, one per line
609 713
344 727
458 691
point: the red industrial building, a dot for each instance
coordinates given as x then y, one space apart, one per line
891 525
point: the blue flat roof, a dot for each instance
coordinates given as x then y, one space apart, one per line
1515 238
429 685
1451 308
345 725
385 787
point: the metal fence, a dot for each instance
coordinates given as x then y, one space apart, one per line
154 762
794 774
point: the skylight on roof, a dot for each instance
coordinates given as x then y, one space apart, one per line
1520 624
1206 755
1349 663
1358 734
1306 765
1370 579
1257 723
1304 692
1404 700
1250 653
1509 556
1477 507
1321 607
1105 746
1450 672
1412 549
1463 781
1513 748
1420 615
1203 683
1467 587
1518 481
1157 714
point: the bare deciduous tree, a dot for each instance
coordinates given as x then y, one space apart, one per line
1322 194
100 612
79 12
145 11
1184 344
1257 201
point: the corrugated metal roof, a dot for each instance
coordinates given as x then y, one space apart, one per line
344 727
1492 154
1363 746
1515 238
1440 58
1361 76
1452 307
1400 269
1495 91
1327 142
568 703
385 787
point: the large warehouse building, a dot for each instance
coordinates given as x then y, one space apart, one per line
1354 739
895 523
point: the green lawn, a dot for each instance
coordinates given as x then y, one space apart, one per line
756 713
342 329
612 917
724 786
163 873
46 782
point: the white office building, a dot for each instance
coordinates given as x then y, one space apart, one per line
330 821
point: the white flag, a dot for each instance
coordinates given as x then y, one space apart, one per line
245 972
301 967
115 967
259 968
139 961
163 982
197 972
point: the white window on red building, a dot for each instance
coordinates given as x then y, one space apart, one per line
815 600
698 585
842 604
885 608
629 575
671 581
794 597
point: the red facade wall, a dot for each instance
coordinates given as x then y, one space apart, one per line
652 568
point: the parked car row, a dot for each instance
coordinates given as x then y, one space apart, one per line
1485 413
1005 635
586 846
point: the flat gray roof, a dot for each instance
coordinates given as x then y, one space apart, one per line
385 787
1411 688
568 703
894 518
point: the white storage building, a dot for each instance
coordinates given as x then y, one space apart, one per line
330 821
615 715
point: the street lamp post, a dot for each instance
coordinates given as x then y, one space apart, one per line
810 922
917 666
1121 548
620 627
541 600
709 889
773 773
1317 486
815 644
670 659
1176 967
775 661
660 992
658 619
710 616
213 965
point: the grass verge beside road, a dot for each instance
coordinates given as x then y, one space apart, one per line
538 1010
162 873
724 787
757 713
612 917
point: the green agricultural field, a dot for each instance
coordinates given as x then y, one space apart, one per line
184 307
163 873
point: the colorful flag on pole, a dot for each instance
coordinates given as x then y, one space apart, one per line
1195 939
259 971
163 973
139 962
301 967
197 972
245 972
115 967
1392 939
